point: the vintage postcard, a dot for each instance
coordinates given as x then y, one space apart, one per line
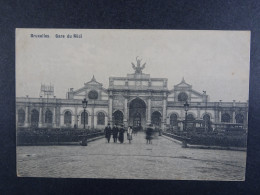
132 104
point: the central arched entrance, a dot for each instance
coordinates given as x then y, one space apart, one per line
137 113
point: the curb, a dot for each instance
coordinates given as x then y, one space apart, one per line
172 139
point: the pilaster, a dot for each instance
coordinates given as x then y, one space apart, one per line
164 112
26 123
110 108
126 110
93 118
54 117
40 117
149 110
76 116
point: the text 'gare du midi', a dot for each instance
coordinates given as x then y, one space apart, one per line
136 100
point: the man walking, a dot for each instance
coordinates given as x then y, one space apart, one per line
115 133
108 132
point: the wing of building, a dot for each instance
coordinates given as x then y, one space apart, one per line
136 100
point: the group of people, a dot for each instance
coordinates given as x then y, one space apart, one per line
118 133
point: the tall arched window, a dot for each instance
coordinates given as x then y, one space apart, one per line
173 120
189 122
225 118
21 116
156 118
101 118
67 118
34 118
118 117
206 117
190 117
239 118
48 116
206 123
82 118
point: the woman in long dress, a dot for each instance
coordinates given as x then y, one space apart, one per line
129 134
121 134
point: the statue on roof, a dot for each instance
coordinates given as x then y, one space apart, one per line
138 68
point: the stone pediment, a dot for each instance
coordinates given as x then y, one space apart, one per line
93 82
182 84
89 86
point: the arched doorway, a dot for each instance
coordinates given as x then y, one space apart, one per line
118 117
34 118
137 113
156 118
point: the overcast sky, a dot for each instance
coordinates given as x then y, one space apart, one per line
215 61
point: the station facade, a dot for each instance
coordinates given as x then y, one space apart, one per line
136 99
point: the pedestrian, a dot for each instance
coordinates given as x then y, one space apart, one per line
121 134
115 133
149 132
108 132
129 134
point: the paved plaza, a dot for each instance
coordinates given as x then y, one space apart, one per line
163 159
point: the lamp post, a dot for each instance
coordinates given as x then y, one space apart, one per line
205 120
84 104
186 108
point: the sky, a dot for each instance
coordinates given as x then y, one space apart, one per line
217 62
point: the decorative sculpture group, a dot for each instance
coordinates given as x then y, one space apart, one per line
138 68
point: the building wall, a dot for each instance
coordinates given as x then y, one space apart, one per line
121 92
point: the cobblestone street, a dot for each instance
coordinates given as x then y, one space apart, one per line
163 159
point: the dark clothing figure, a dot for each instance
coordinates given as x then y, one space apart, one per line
115 133
108 132
149 132
121 135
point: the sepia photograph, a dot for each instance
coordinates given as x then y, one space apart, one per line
132 104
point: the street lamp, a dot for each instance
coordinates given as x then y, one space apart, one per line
186 108
205 120
84 104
